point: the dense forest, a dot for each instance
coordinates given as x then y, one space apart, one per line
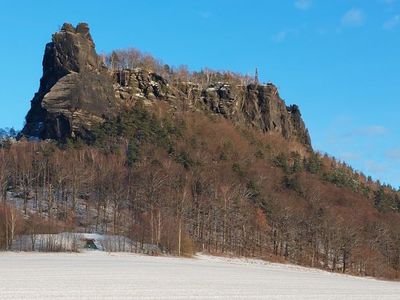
188 181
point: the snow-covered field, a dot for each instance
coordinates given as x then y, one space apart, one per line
98 275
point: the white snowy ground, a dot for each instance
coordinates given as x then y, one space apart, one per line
98 275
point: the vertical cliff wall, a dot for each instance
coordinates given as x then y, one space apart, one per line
77 91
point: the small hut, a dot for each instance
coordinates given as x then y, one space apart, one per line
89 244
92 241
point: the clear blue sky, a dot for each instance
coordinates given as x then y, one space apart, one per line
337 59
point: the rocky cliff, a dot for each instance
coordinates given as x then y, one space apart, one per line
257 105
77 91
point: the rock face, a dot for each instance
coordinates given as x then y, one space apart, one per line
257 105
77 90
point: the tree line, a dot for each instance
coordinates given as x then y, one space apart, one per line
119 60
189 182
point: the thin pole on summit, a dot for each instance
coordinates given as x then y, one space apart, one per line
256 80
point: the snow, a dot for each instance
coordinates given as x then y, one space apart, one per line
98 275
75 242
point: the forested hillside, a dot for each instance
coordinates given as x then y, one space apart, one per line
206 161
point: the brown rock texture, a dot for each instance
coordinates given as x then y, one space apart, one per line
77 91
257 105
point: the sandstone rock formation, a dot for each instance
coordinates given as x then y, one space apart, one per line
257 105
77 90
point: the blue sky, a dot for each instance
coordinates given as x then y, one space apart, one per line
337 59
